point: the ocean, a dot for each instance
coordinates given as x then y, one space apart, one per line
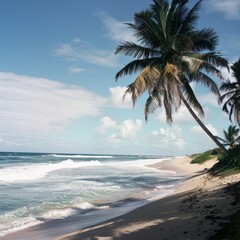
75 190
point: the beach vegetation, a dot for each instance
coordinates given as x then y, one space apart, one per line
231 137
205 156
170 55
229 160
229 163
232 94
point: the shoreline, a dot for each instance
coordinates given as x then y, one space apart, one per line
178 215
195 210
85 218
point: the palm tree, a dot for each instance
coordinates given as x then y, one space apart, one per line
171 53
231 137
232 95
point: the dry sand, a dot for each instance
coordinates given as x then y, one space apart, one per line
195 211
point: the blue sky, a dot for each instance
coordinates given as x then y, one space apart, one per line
58 93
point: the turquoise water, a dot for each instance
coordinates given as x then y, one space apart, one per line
37 188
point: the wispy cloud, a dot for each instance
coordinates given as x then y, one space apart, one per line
39 106
230 8
79 50
115 29
75 70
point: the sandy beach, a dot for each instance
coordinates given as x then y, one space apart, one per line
196 210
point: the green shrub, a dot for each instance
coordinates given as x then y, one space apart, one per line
201 158
216 151
231 159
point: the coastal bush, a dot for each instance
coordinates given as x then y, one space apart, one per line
231 159
201 158
205 156
216 151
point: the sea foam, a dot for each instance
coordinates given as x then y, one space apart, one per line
18 225
59 213
37 171
79 156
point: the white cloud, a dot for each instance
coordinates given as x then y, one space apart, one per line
117 30
129 129
75 70
38 106
77 50
115 132
230 8
113 138
116 98
169 138
105 124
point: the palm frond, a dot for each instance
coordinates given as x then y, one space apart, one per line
191 64
225 108
202 78
167 107
150 106
191 98
237 115
236 70
133 67
204 39
189 22
216 59
147 31
228 86
145 81
136 51
232 108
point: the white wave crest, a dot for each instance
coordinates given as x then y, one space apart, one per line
18 225
37 171
79 156
59 213
85 206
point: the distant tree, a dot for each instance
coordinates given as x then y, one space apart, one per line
170 54
232 95
231 137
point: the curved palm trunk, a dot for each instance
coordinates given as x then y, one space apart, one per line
203 126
